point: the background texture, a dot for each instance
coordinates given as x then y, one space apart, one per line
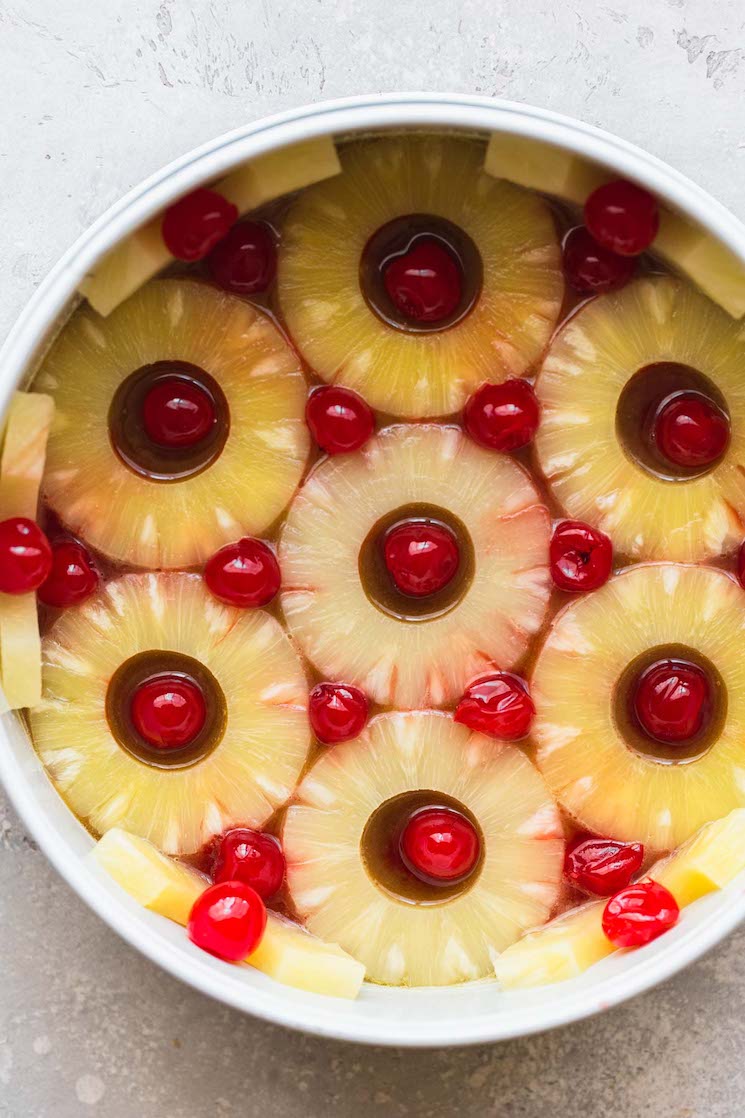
93 97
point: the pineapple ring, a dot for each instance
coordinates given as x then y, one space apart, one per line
403 663
610 788
247 775
418 374
432 944
179 523
658 319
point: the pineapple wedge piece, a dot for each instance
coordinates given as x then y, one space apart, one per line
568 945
24 450
683 246
21 468
286 953
141 255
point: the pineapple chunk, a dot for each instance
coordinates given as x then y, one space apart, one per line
20 650
152 879
141 255
568 945
286 953
699 256
280 172
293 957
24 449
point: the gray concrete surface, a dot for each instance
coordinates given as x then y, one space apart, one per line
95 95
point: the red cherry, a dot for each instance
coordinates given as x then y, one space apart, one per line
672 700
339 419
498 705
193 225
639 914
228 920
177 413
580 557
439 844
690 430
502 416
741 564
245 260
25 556
622 217
602 866
245 573
253 858
421 557
72 579
337 711
168 711
424 283
591 269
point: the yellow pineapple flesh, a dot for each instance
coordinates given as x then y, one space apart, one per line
405 373
682 245
609 787
396 661
177 523
143 254
568 945
403 943
250 771
591 474
286 953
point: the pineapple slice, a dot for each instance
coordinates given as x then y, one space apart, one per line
414 374
553 170
657 319
286 953
24 449
571 943
142 254
21 467
610 788
148 523
412 944
400 662
250 771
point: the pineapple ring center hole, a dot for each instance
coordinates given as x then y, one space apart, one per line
151 459
640 403
376 579
634 734
146 666
380 849
400 237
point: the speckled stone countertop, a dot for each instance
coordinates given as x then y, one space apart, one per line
93 97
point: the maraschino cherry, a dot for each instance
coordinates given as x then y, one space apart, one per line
339 420
252 857
672 700
245 573
502 416
602 866
424 283
580 557
177 413
25 556
622 217
498 705
245 260
421 557
73 577
691 431
193 226
228 920
591 269
168 711
439 845
639 914
337 712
